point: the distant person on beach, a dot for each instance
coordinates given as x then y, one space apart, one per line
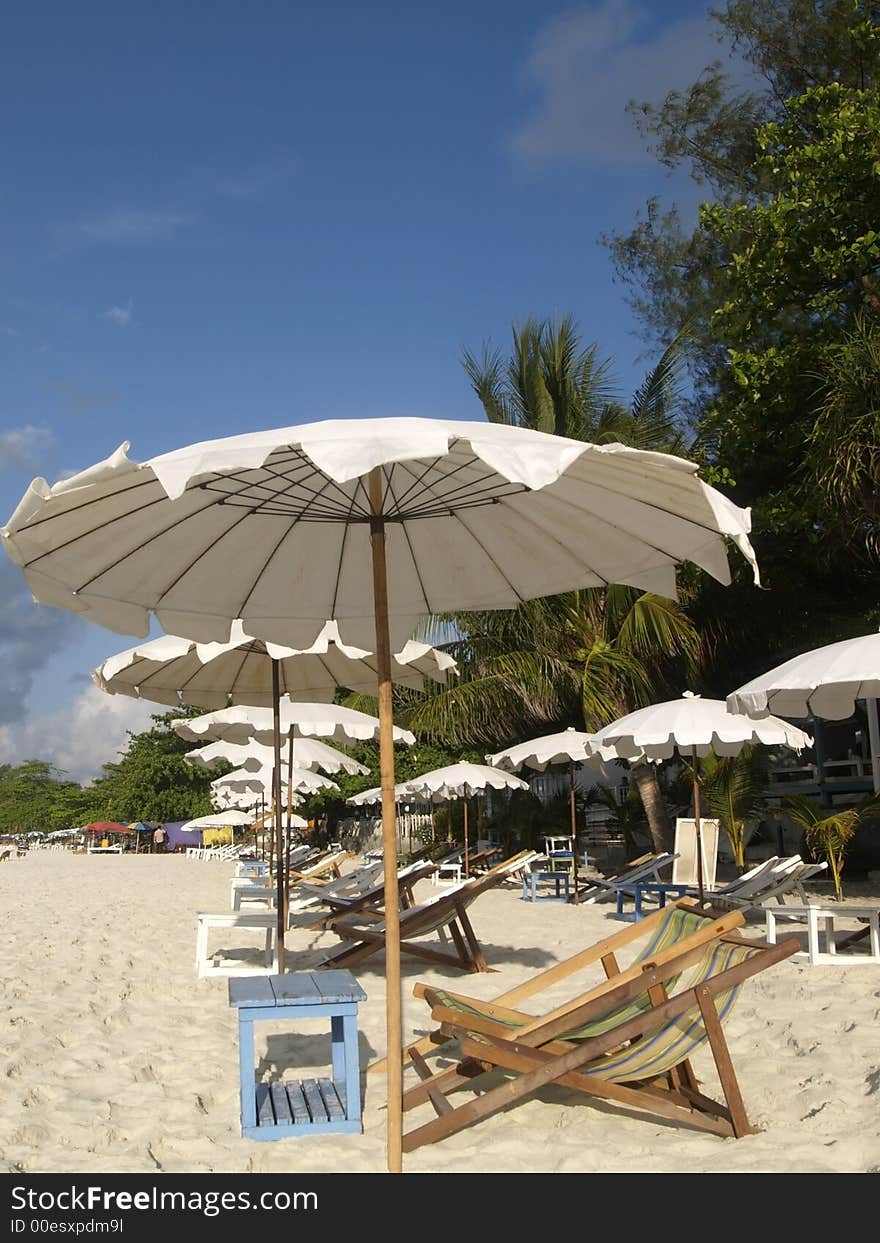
160 837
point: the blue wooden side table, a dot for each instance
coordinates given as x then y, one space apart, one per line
312 1106
532 880
637 891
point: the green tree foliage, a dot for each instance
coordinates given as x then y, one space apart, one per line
830 833
778 287
35 797
153 781
735 790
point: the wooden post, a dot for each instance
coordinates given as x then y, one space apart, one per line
289 817
696 760
276 799
574 832
467 866
393 1024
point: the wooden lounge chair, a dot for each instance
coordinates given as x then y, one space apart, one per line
447 912
370 898
658 937
603 888
628 1041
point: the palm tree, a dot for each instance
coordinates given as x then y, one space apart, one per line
585 657
830 834
735 788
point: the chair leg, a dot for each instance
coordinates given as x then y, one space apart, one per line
726 1074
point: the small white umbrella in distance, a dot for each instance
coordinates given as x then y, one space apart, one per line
694 726
460 781
571 746
218 820
375 523
824 682
310 753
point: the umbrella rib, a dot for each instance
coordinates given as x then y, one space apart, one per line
418 480
341 556
489 556
413 558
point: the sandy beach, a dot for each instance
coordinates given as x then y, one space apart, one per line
117 1059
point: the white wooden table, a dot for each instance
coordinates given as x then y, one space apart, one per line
822 935
264 921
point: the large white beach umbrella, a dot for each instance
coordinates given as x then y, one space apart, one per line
694 726
375 523
824 682
571 747
456 781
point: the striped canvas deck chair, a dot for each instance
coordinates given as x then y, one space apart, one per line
630 1042
656 938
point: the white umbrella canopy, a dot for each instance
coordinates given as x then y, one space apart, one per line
274 528
302 780
571 746
375 523
173 670
218 820
694 726
310 753
824 682
240 724
459 781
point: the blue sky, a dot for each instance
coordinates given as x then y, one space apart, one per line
218 217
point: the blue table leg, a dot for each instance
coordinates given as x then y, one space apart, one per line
246 1071
352 1069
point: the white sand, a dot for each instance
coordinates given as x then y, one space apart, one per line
116 1059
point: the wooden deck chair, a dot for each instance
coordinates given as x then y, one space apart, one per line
372 896
659 936
629 1042
328 867
787 877
446 912
602 888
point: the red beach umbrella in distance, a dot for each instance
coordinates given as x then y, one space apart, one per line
105 826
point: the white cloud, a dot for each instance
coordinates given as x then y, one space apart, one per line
22 447
78 739
120 315
256 180
125 225
587 64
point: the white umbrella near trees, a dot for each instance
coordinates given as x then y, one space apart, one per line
571 746
459 781
311 753
230 819
824 682
376 524
693 726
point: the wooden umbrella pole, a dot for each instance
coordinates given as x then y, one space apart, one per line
394 1044
467 866
696 759
574 832
276 798
289 818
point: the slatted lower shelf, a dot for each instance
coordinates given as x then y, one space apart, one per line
312 1107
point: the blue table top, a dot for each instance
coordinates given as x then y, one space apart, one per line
296 988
